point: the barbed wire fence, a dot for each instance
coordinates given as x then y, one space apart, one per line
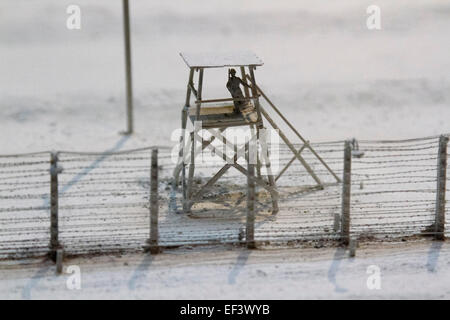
89 203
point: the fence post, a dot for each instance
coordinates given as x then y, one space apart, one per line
250 226
337 222
54 170
153 241
439 224
346 192
59 261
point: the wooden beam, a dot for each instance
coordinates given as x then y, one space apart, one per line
184 115
289 144
191 86
199 92
269 173
236 165
255 94
289 163
216 135
191 172
244 79
210 183
258 160
230 162
261 182
215 110
176 171
295 130
225 100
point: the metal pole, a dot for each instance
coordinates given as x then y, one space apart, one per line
346 192
154 204
129 86
439 223
54 241
250 226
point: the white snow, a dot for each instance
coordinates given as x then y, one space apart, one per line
407 271
63 89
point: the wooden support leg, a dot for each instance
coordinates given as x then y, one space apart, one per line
181 156
184 185
182 151
184 115
258 160
191 171
266 160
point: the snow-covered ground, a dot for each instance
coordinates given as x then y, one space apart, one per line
418 270
333 78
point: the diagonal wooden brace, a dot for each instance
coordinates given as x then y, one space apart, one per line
289 163
186 157
289 144
211 181
293 129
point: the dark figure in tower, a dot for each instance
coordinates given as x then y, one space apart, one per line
235 90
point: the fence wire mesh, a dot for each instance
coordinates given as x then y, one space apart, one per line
104 199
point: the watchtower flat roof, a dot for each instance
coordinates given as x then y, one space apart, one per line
220 60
